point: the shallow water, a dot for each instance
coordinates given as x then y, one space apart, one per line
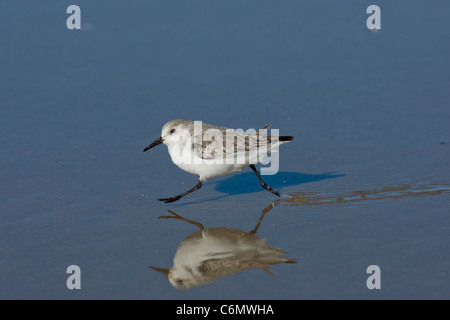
365 182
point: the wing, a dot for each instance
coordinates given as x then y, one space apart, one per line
232 144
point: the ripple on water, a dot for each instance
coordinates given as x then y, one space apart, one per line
397 192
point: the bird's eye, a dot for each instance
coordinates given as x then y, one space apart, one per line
172 131
179 282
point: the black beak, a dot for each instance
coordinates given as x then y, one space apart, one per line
162 270
154 143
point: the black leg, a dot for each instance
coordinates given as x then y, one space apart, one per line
176 216
172 199
263 184
266 209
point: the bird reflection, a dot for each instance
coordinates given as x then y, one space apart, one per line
211 253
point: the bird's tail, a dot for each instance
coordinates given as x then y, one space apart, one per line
285 138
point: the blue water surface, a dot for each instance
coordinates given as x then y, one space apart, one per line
369 111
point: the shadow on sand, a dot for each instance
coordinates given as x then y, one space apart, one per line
247 182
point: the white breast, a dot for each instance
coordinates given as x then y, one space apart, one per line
188 160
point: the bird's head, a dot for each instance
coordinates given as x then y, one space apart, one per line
173 132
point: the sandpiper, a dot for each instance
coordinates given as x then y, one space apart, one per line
211 151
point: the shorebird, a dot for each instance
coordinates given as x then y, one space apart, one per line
211 151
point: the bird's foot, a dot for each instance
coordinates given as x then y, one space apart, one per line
265 186
168 200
